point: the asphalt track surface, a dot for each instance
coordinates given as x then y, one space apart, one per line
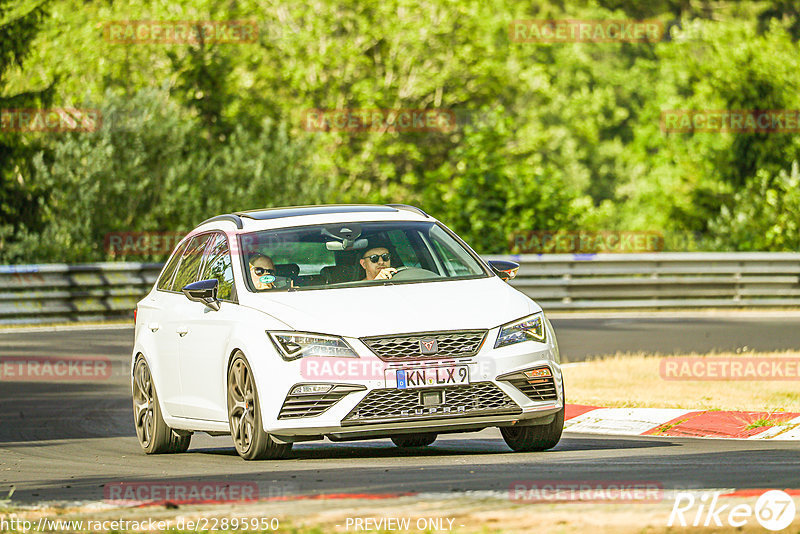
66 441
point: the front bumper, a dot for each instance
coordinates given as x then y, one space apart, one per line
364 407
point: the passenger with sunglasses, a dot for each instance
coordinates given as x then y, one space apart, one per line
262 272
377 262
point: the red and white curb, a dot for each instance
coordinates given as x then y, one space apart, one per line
676 422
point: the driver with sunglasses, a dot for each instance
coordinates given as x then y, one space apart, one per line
262 272
377 264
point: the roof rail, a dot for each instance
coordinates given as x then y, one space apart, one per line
230 217
408 207
320 209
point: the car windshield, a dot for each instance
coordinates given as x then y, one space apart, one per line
350 254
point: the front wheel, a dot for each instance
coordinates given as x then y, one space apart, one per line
414 440
535 438
244 415
154 435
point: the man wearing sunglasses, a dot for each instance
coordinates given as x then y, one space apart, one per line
377 262
262 272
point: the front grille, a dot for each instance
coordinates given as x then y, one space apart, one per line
459 343
537 389
296 406
388 405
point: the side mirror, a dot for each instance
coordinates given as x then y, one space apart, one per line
506 270
204 291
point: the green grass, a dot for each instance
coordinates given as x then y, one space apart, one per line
765 421
666 426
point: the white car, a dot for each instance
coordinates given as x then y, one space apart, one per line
344 322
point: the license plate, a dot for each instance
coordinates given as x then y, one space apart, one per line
432 377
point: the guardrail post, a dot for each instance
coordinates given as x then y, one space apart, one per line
737 295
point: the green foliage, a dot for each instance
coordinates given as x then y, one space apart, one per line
489 191
763 215
19 25
561 136
146 170
704 176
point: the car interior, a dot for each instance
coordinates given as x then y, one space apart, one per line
328 255
345 269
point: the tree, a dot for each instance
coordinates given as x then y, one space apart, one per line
146 171
19 24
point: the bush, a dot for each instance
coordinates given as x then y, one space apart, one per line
146 169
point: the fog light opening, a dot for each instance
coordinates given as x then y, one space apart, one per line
311 389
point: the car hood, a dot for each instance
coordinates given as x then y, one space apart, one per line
380 310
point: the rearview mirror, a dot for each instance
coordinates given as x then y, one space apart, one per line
347 244
507 270
204 291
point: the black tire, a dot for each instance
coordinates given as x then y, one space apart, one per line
244 416
535 438
154 435
414 440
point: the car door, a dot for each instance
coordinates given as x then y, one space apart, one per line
158 307
202 349
174 307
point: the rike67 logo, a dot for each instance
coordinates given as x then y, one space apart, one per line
774 510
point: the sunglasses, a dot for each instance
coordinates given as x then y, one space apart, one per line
262 271
374 258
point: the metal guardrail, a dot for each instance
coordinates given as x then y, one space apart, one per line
58 292
55 293
660 280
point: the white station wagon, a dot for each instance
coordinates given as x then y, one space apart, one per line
344 322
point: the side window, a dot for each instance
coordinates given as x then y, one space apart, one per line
453 263
190 262
309 257
457 261
165 282
218 265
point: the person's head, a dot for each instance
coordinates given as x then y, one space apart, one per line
262 266
375 259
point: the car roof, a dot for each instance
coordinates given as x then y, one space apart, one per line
268 218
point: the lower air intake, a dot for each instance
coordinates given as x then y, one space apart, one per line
400 405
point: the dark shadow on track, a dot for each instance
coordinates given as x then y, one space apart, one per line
45 411
698 466
441 448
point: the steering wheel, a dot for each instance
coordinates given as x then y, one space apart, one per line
413 273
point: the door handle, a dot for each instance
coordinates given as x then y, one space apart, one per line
182 330
154 326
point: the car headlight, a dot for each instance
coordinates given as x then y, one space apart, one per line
295 345
530 328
